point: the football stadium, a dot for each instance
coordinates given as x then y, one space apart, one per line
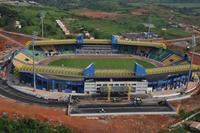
101 66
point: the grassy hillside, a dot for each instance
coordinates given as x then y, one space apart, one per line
132 22
127 20
30 19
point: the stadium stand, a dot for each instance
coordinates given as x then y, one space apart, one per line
48 49
24 58
97 41
144 44
18 64
48 69
172 59
126 49
114 73
143 51
183 62
39 54
159 54
65 49
68 79
103 72
52 42
171 69
95 49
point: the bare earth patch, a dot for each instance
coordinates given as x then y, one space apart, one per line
190 103
121 124
99 14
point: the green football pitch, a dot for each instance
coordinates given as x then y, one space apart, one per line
108 63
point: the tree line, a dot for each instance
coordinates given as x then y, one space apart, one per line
27 125
105 5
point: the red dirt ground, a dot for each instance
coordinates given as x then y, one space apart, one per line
196 59
189 104
139 12
4 42
121 124
99 14
22 38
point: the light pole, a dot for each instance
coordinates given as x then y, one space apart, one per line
42 16
149 26
190 68
33 50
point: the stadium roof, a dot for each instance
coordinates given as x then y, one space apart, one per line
97 41
22 67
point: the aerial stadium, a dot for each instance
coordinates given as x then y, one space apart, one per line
101 67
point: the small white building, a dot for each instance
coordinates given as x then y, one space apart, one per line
18 25
63 27
137 87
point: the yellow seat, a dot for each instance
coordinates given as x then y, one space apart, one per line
172 59
48 48
22 57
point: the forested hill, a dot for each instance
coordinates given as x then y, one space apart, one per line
107 5
81 2
169 1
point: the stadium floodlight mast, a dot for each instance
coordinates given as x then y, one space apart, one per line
33 50
149 25
190 67
42 16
